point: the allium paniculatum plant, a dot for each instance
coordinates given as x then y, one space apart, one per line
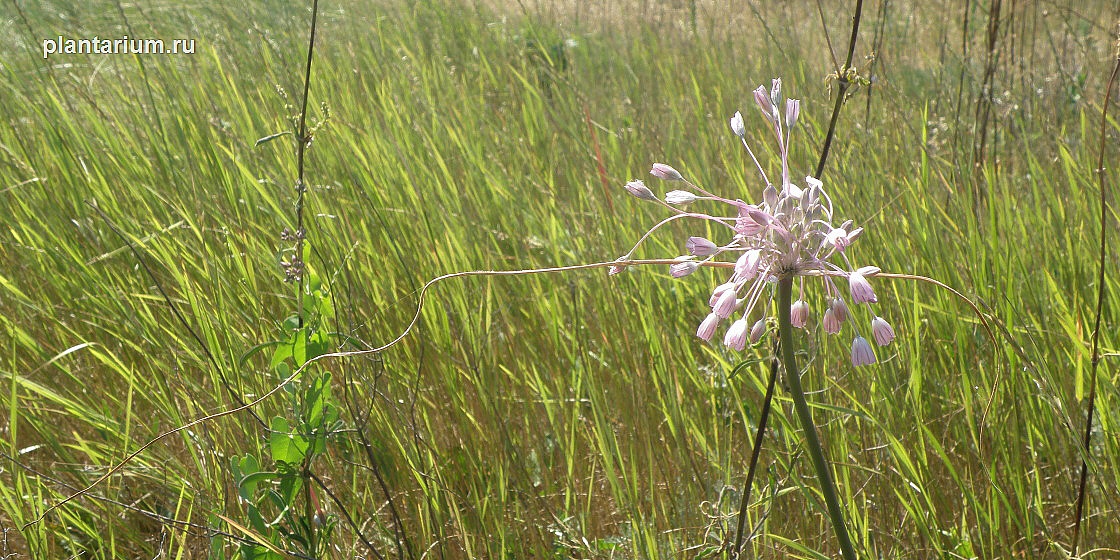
789 235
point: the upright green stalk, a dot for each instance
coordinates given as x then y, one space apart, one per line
813 443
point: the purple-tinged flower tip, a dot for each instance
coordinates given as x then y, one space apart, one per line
679 197
640 190
799 314
830 322
664 172
862 354
747 265
793 108
838 238
759 216
881 331
683 268
718 291
840 309
763 101
770 196
757 330
853 235
869 270
776 91
861 288
725 305
617 268
708 327
751 221
701 247
736 337
737 124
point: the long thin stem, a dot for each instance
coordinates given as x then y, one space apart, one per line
844 84
812 442
842 79
763 417
301 148
1096 350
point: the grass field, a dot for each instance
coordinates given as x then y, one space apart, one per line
567 415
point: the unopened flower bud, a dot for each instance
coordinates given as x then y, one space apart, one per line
881 331
664 172
830 322
763 101
708 327
799 314
840 308
736 337
747 265
793 108
861 288
679 197
725 305
701 247
719 292
770 196
757 330
683 268
862 354
737 124
640 190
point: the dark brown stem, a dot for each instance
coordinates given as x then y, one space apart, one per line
301 149
1096 350
763 417
842 79
346 515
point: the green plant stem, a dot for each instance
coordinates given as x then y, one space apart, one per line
813 443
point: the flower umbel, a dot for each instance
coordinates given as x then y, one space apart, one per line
790 232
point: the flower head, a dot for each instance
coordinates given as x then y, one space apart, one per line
788 231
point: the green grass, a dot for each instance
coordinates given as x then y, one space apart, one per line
569 415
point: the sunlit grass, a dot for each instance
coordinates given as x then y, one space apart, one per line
570 415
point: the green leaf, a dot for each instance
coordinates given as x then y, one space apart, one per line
248 484
250 352
283 351
284 446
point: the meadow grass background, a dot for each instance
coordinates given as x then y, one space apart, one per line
570 415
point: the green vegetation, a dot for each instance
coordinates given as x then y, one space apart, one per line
568 415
